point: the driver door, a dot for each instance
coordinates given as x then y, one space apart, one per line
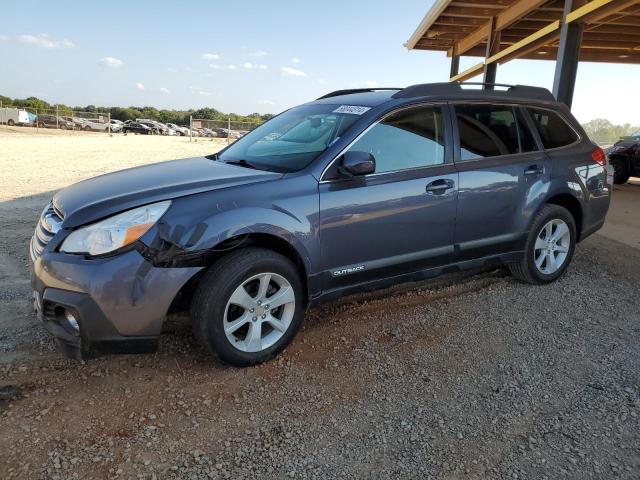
399 219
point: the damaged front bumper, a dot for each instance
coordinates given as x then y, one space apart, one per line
107 305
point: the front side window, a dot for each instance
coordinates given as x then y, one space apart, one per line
409 138
553 130
292 140
486 131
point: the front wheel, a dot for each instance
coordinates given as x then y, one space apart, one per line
549 247
248 306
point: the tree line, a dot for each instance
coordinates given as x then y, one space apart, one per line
179 117
603 132
600 130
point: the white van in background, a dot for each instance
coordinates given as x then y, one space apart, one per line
14 116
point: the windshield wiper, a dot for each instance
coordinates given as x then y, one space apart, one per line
242 163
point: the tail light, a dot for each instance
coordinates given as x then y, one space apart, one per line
599 156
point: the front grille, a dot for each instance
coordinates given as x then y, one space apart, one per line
48 225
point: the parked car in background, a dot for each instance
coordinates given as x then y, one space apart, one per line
358 190
74 121
93 124
226 133
207 132
51 121
14 116
131 126
154 129
157 127
624 156
184 131
116 125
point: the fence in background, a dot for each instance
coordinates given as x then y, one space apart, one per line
55 118
231 130
72 120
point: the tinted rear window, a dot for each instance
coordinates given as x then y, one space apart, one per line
554 131
487 131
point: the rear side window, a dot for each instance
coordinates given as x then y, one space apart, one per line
554 131
410 138
487 131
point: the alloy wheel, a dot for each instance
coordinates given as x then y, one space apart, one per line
259 312
552 246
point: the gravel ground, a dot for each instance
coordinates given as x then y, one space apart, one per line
470 376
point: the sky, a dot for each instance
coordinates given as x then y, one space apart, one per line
249 56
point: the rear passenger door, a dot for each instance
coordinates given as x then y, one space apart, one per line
502 178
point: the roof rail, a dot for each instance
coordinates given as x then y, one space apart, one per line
456 88
349 91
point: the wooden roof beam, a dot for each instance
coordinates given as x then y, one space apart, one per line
543 34
504 19
596 10
468 73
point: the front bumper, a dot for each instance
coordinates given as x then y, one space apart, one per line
119 302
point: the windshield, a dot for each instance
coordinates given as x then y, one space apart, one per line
292 140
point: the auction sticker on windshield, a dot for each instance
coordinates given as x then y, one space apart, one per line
352 109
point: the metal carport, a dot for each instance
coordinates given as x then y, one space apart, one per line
503 30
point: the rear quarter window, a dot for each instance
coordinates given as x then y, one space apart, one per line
553 129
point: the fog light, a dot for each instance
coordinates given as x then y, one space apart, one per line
71 320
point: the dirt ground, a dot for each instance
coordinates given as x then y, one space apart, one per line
469 376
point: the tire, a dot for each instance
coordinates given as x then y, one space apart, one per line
534 268
620 171
87 128
11 123
242 274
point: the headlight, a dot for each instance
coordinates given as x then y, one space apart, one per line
114 232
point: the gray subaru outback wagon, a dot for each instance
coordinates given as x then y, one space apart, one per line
357 190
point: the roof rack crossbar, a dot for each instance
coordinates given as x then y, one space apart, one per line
455 88
349 91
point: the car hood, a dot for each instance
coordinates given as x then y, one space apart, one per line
100 197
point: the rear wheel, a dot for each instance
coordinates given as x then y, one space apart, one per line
248 306
620 171
549 247
11 123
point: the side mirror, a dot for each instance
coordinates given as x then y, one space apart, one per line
355 163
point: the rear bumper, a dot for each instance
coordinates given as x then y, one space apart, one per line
119 303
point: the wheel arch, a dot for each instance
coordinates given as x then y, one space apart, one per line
209 257
573 205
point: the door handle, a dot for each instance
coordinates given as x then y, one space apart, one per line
440 186
534 170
